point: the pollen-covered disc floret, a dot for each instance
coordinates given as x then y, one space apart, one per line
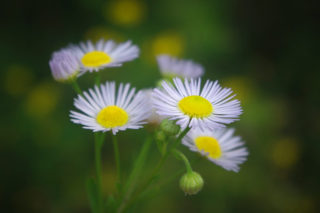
219 146
173 67
103 108
94 57
64 65
207 108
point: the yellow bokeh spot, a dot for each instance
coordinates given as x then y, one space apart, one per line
126 12
95 59
17 80
242 86
285 153
112 116
195 106
42 100
168 43
209 145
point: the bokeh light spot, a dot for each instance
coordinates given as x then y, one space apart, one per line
125 12
285 153
168 43
17 80
42 100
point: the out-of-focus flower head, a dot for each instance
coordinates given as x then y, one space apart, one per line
172 67
64 64
102 54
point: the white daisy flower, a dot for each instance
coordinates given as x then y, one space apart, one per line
94 57
209 107
64 65
173 67
104 109
219 146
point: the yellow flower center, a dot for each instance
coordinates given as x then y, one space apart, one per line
209 145
112 116
95 59
195 106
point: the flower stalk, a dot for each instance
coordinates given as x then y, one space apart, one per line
117 158
99 138
76 87
179 155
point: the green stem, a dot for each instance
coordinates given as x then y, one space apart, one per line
133 178
117 157
162 184
165 156
99 137
182 134
170 179
175 175
97 78
76 87
183 158
160 164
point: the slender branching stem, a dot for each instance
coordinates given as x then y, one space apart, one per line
76 87
99 137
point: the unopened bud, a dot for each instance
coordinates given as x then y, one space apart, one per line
169 127
191 183
160 136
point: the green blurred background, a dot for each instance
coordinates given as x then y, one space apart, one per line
267 51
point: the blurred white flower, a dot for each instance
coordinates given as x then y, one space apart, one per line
64 65
173 67
94 57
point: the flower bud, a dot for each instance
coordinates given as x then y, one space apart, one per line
191 183
64 65
160 136
169 127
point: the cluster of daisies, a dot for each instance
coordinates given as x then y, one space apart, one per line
205 107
